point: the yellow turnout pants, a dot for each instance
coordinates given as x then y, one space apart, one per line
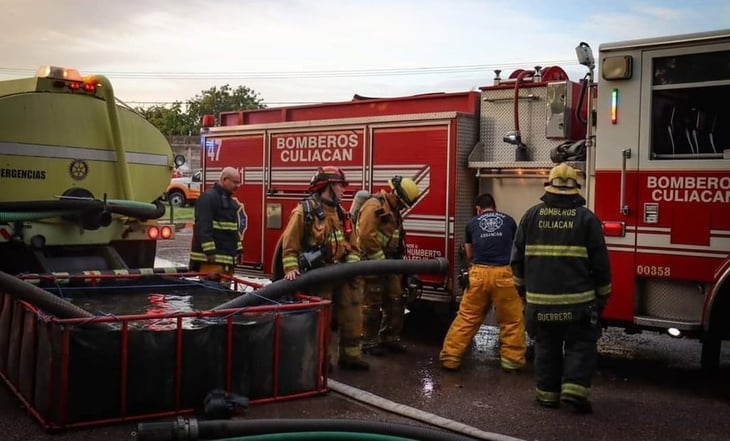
488 285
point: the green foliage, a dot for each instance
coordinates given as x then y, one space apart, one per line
169 120
178 213
216 100
173 120
184 213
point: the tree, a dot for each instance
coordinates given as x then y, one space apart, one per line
216 100
172 121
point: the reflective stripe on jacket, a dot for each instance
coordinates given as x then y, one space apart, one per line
327 233
216 231
559 255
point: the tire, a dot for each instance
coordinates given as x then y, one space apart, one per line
711 347
176 198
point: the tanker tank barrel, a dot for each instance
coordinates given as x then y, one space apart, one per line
346 271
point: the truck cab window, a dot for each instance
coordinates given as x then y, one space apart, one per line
689 120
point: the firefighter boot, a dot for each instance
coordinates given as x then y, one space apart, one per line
350 359
577 404
374 349
547 398
394 347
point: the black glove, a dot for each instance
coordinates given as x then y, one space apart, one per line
463 279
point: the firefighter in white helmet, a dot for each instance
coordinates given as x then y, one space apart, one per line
380 236
560 264
318 235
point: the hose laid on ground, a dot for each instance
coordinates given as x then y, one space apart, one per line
321 436
44 300
193 430
329 273
413 413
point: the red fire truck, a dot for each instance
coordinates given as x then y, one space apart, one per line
648 125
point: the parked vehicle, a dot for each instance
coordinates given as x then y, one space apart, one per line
184 190
82 176
650 134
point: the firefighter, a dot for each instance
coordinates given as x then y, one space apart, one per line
381 236
488 244
317 235
217 238
560 264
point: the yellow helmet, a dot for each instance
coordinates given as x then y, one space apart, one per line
406 190
563 179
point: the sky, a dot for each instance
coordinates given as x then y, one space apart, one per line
303 51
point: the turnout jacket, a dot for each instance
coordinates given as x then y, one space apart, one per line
559 257
317 224
216 231
380 228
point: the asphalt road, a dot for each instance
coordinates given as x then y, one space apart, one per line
647 387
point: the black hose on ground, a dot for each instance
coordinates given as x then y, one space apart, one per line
45 300
346 271
193 430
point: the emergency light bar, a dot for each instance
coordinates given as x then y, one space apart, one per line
66 77
59 73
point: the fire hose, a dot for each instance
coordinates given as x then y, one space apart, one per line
347 271
45 300
193 430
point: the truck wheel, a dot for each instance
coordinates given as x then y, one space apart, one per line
711 347
176 198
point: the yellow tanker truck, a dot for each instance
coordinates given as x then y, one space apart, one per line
81 177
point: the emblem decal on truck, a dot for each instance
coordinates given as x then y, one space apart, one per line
78 169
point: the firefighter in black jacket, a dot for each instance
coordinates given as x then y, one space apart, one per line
560 264
217 232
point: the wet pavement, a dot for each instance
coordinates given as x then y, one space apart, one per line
648 387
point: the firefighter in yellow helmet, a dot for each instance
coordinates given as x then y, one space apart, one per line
488 245
318 235
380 236
561 267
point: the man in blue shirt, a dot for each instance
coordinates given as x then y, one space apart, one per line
488 246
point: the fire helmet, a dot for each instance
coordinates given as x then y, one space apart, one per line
563 179
326 175
406 190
